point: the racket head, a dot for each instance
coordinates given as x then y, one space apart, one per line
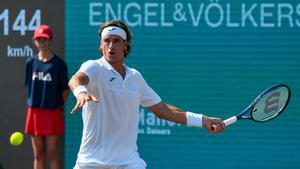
270 103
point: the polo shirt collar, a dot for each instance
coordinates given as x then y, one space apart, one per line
109 67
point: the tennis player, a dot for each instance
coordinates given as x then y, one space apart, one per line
111 93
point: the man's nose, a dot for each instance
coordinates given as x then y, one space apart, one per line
111 44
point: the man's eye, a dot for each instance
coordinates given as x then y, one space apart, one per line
107 41
117 41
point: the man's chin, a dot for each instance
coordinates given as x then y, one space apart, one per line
111 57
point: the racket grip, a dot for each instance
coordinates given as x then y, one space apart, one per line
227 122
230 121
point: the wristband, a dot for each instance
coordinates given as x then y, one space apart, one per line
194 119
79 89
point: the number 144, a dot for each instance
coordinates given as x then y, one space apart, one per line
19 23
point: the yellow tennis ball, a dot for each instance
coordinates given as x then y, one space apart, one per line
16 138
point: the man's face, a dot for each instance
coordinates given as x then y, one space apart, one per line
113 48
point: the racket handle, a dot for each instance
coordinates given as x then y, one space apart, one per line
227 122
230 121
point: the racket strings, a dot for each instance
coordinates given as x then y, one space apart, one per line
271 104
265 116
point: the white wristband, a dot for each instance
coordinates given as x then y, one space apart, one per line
194 119
79 89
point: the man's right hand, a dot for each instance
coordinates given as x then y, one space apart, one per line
208 122
82 98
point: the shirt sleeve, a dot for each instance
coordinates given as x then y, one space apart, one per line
148 96
90 69
64 76
28 71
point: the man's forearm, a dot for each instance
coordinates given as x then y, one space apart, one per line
169 112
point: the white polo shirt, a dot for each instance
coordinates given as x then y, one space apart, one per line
110 126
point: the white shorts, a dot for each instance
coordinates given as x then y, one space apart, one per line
97 166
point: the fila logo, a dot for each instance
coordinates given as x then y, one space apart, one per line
111 79
41 76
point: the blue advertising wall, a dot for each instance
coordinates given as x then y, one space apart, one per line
210 57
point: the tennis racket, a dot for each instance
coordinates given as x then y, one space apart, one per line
267 106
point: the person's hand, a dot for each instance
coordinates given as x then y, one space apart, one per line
82 98
208 123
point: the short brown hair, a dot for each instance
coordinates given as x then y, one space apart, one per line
122 25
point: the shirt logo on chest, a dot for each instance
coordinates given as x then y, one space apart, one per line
111 79
40 76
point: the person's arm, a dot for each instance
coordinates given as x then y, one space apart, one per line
65 95
78 84
78 79
174 114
